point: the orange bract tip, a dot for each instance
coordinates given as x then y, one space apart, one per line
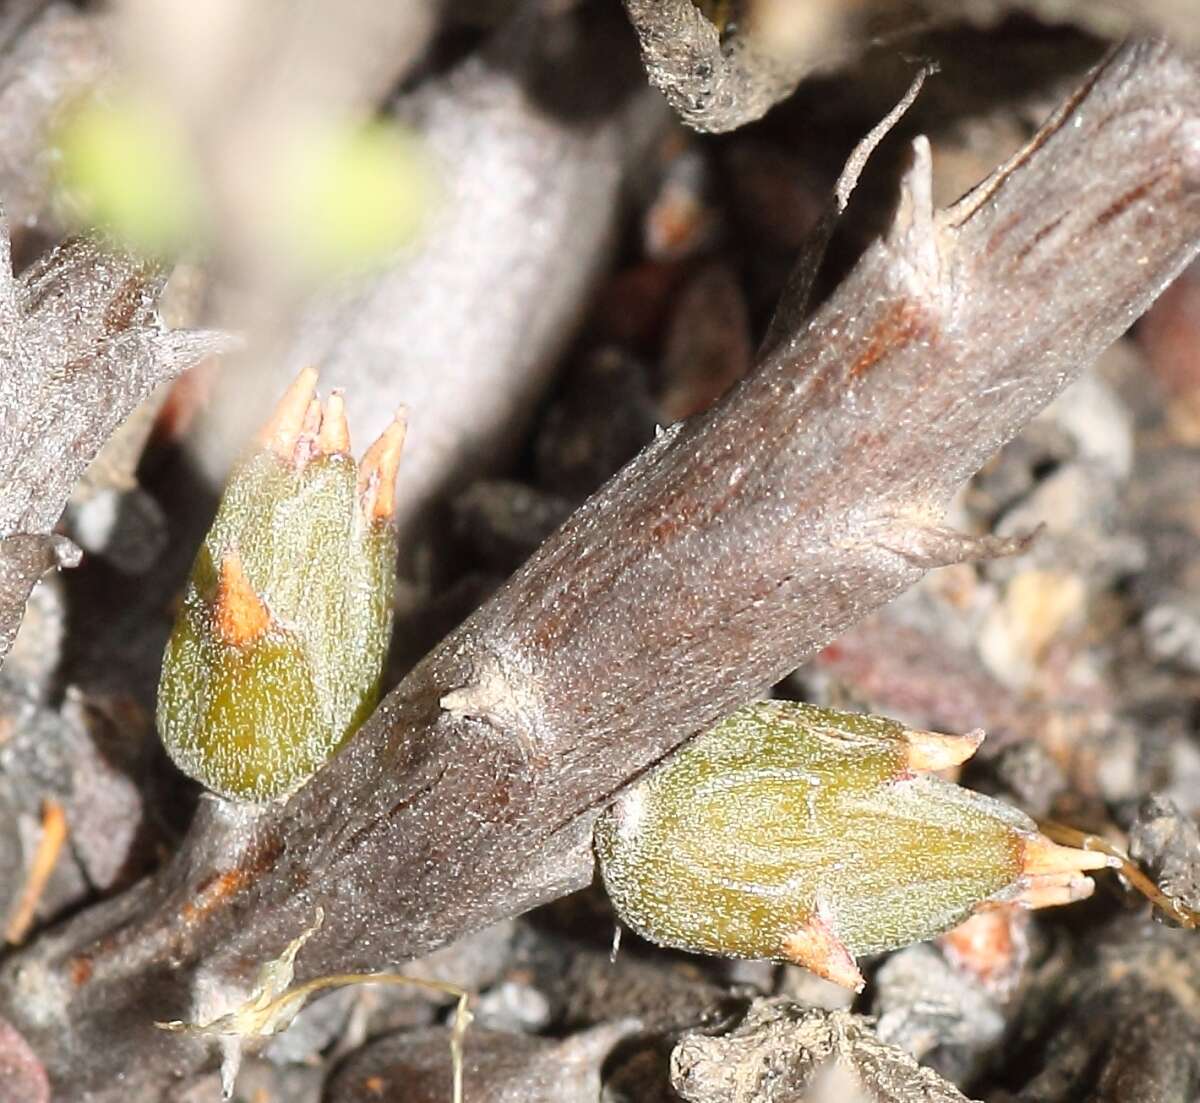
820 951
240 615
335 433
1041 856
1052 890
934 751
377 471
285 425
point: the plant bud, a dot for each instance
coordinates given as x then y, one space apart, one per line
277 653
801 834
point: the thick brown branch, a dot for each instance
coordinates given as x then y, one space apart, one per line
735 546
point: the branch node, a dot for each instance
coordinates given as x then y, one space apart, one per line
913 233
497 700
928 546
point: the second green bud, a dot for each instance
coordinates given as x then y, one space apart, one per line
277 652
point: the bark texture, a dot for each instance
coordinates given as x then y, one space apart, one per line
80 348
721 75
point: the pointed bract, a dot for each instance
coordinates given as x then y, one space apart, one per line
335 433
934 751
1041 856
240 616
1053 890
820 951
280 433
378 468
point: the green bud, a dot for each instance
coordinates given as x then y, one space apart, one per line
277 652
801 834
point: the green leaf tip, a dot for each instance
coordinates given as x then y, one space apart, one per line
277 653
797 833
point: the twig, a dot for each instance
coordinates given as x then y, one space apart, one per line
1072 836
54 834
719 78
462 1016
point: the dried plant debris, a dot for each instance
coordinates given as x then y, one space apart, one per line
787 1053
51 837
108 514
497 1067
86 759
920 672
1026 772
32 664
108 806
940 1014
36 762
259 1081
1167 844
273 1003
1114 1016
24 558
667 995
723 64
342 1020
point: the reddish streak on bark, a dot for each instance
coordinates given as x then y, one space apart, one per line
80 967
1129 198
212 892
1039 237
219 888
903 322
683 511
